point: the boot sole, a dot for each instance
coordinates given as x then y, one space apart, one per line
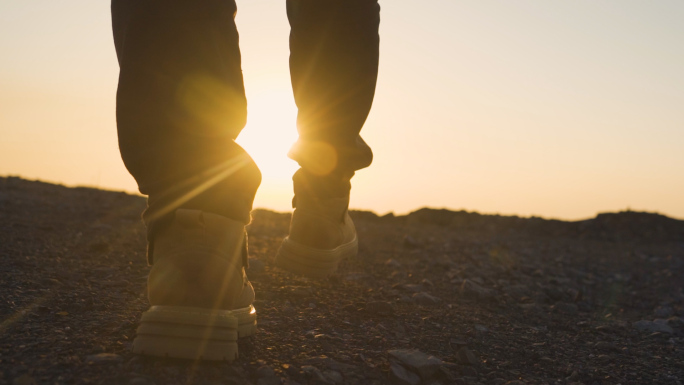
193 333
310 262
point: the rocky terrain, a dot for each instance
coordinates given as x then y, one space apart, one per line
434 297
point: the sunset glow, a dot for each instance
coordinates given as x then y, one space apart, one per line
557 109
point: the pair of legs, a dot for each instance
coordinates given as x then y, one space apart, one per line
181 100
180 106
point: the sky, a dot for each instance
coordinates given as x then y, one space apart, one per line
558 109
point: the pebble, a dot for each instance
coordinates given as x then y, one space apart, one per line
456 343
269 381
659 325
469 371
425 299
517 292
379 307
410 242
575 295
603 358
424 365
554 293
104 358
24 379
676 322
471 289
265 371
333 376
315 374
393 263
663 312
399 375
482 328
606 346
466 357
565 308
413 288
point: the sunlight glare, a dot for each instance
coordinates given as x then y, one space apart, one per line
267 137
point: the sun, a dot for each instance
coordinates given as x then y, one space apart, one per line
270 132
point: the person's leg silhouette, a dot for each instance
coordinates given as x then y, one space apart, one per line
180 105
334 49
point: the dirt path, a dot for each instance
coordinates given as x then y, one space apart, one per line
493 300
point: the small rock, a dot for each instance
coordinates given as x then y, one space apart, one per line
356 277
413 288
659 325
269 381
565 308
24 379
314 374
425 365
456 343
531 308
604 329
406 299
104 358
675 322
300 292
425 299
575 295
401 376
466 357
469 371
482 328
471 289
427 283
603 358
606 346
332 364
410 242
333 376
138 381
554 293
379 307
265 371
663 312
517 292
393 263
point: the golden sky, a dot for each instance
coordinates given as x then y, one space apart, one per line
559 109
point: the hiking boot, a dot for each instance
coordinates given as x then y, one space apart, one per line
321 234
200 296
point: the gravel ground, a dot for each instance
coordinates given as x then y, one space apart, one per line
434 297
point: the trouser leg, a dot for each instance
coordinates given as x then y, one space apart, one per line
180 105
334 49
